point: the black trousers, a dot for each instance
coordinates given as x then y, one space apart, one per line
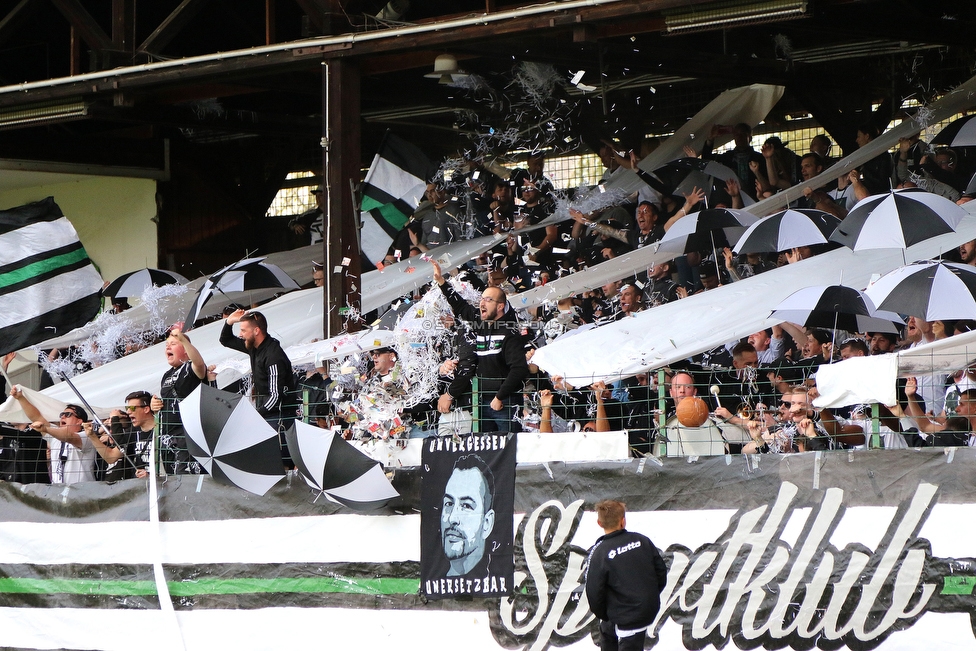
610 642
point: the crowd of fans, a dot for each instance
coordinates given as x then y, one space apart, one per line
757 393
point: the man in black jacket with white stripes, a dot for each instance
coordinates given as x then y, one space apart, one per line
271 373
625 575
497 338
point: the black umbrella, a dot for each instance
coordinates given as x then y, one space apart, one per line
230 439
897 220
243 276
788 229
958 133
331 465
930 290
135 283
835 307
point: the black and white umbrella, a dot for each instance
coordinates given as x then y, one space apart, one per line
788 229
897 219
243 276
134 283
231 440
331 465
930 290
835 307
697 231
958 133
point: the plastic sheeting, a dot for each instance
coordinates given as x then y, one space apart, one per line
680 329
749 104
853 381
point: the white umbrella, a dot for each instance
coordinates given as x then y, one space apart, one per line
331 465
242 276
930 290
231 440
134 283
897 220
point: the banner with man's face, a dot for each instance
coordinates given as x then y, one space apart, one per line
467 502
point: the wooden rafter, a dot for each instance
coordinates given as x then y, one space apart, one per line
171 26
84 24
11 23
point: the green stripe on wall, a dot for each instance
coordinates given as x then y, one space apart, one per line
42 266
386 586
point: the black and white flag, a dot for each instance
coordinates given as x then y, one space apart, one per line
48 285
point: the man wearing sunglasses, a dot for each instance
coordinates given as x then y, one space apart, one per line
72 453
127 449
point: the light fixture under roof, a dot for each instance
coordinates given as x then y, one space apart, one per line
729 14
446 70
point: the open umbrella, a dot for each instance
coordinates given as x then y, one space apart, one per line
930 290
227 436
134 283
697 231
242 276
835 307
331 465
897 220
788 229
958 133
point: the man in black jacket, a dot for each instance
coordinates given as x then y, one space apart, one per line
502 368
270 371
625 575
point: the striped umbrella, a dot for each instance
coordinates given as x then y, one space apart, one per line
134 283
788 229
958 133
930 290
242 276
331 465
835 307
231 440
897 220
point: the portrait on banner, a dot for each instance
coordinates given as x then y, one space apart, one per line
467 502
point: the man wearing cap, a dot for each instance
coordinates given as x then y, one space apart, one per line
318 274
310 220
502 368
72 454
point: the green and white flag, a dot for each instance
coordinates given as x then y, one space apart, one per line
393 189
48 284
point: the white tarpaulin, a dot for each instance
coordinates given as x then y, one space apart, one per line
395 280
533 447
297 263
292 319
683 328
960 99
749 104
846 383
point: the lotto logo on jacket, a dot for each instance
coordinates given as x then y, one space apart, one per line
626 548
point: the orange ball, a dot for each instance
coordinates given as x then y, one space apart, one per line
692 412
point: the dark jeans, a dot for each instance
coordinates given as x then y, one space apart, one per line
502 420
609 641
